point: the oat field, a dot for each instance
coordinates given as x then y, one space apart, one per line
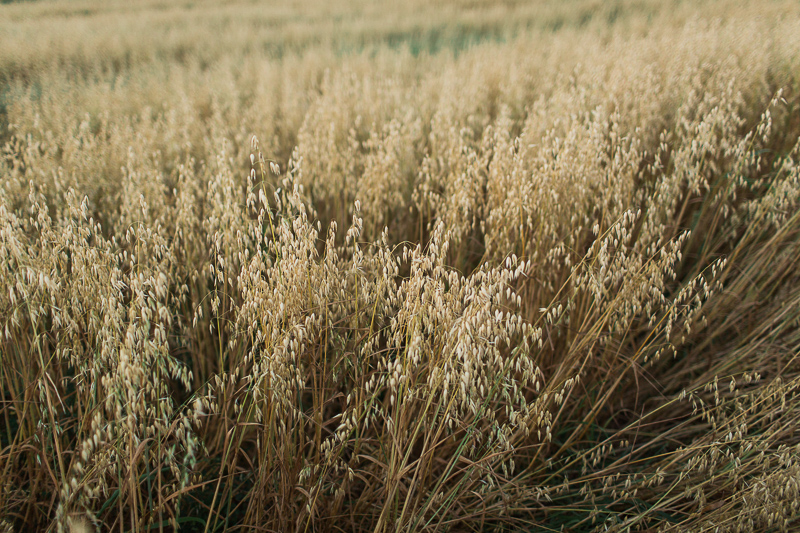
372 266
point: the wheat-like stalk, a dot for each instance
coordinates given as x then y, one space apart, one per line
407 274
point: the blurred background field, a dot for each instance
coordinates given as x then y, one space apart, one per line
96 38
399 266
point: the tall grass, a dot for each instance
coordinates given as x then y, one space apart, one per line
547 282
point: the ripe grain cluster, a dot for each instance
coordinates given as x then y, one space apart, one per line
490 267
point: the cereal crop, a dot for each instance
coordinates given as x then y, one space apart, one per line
414 266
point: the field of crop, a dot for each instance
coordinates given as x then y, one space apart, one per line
465 265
